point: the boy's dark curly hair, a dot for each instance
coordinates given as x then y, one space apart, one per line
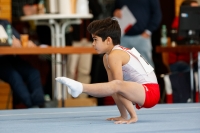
104 28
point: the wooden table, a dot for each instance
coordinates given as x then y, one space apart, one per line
57 24
190 49
50 50
179 49
46 50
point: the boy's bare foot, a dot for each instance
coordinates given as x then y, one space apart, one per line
116 119
132 120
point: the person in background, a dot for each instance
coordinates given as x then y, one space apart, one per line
24 79
148 17
38 34
24 8
179 62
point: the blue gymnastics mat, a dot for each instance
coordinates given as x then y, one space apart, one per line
163 118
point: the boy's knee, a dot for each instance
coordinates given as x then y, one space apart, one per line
117 84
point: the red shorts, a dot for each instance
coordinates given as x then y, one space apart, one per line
152 92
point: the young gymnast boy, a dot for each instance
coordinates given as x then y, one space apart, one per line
131 79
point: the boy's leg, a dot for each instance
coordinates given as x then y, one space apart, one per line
130 90
120 106
130 108
124 105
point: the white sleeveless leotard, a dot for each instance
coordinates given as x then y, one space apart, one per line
134 71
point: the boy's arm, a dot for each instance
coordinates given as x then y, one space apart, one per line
107 69
115 63
116 60
120 106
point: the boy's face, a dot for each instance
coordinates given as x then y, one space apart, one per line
99 45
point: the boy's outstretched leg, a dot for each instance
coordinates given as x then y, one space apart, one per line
130 90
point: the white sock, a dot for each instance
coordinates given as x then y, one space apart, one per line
75 88
69 91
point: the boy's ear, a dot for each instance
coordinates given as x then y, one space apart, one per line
109 39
